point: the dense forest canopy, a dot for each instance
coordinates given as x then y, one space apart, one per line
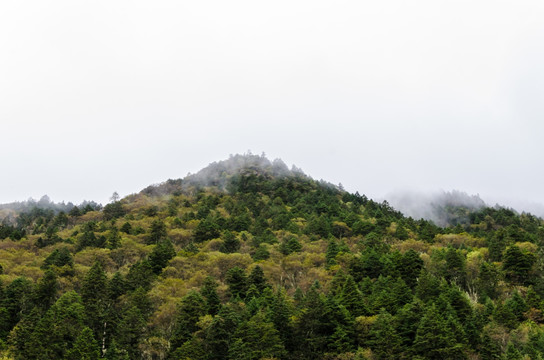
249 259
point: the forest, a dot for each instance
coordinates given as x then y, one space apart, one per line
249 260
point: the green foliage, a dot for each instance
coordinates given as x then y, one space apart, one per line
113 210
192 306
256 339
209 293
518 264
435 339
207 229
59 258
157 231
290 245
85 347
230 243
385 286
161 254
95 298
237 281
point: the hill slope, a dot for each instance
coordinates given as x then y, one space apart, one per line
249 259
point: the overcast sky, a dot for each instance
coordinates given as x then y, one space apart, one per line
104 96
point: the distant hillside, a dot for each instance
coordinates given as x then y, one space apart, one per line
248 259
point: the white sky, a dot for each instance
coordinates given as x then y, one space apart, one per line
105 96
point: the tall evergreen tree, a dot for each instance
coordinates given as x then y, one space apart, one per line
209 292
85 347
434 339
95 298
191 308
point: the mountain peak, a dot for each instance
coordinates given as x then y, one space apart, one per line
219 173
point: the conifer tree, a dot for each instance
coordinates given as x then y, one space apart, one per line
191 307
256 339
410 267
130 330
237 281
85 347
157 231
434 339
161 254
219 335
352 299
95 298
209 292
385 341
257 278
113 240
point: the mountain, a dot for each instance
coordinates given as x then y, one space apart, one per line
250 259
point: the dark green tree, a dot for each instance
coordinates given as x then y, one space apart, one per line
190 309
256 339
237 281
156 232
434 339
257 278
385 341
130 331
230 243
409 267
162 253
209 292
85 347
46 290
113 240
352 299
95 298
207 229
518 264
140 274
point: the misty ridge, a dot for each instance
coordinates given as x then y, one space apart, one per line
220 174
8 210
450 208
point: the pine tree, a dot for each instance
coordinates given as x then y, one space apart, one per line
140 274
410 267
230 243
162 253
237 281
257 278
280 315
95 297
117 286
191 307
130 331
156 232
113 240
332 251
352 299
209 292
46 290
218 336
385 341
256 339
85 347
434 339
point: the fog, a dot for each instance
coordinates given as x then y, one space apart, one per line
385 96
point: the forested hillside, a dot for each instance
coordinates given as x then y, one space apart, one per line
248 259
